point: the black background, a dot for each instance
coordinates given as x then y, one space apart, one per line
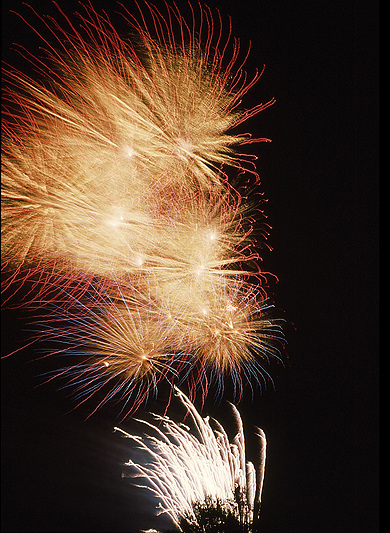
320 173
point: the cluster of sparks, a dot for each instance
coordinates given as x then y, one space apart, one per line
117 207
125 221
184 469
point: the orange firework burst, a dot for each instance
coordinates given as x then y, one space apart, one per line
93 148
120 347
123 342
116 201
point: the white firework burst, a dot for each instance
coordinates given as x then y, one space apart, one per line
188 472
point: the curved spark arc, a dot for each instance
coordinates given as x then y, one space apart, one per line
185 470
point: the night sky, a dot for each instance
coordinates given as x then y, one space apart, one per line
61 472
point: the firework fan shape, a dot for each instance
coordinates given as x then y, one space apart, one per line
118 210
188 473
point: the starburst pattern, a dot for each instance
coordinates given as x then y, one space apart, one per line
117 206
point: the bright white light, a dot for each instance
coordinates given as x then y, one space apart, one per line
212 236
184 469
199 270
127 151
185 146
138 260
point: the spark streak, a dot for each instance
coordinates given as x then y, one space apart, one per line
186 470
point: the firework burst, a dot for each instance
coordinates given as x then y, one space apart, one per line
124 344
119 346
186 471
117 206
91 151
